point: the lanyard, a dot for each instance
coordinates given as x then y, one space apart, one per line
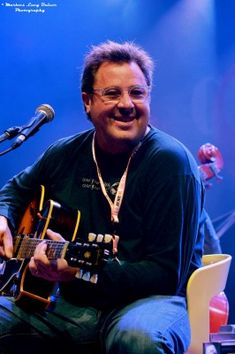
116 205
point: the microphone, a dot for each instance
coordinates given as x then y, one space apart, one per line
43 114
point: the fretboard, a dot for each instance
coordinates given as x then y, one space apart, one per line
27 246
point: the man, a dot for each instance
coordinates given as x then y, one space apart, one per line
128 179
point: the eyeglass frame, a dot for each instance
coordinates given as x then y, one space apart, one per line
101 90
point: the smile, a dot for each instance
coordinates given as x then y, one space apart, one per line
125 119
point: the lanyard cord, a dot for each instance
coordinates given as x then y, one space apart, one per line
116 205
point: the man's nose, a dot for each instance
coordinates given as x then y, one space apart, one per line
125 101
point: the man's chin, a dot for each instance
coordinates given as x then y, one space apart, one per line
127 135
125 140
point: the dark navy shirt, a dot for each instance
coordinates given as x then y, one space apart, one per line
159 245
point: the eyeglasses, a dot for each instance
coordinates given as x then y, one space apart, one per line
113 94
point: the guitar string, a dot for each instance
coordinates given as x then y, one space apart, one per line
28 246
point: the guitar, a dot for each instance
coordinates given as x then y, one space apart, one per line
90 255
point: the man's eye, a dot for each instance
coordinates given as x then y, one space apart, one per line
112 93
137 92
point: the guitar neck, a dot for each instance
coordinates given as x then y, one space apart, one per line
89 254
24 248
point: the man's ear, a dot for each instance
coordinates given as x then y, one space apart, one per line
86 101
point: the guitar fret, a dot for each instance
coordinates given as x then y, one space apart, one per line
28 245
54 249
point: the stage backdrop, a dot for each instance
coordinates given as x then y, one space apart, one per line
42 45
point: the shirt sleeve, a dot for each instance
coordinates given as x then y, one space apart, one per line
19 191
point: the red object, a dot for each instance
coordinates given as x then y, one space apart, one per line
210 153
219 312
211 162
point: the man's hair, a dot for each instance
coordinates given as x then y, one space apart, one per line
110 51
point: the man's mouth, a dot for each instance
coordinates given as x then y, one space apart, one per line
123 119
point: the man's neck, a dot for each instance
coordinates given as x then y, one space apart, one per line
123 147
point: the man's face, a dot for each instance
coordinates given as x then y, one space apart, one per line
121 122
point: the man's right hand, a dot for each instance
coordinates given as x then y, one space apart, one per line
6 240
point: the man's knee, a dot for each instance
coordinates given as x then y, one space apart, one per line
136 342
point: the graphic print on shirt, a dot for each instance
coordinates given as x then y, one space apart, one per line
93 184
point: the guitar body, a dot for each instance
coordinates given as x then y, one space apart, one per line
29 292
34 293
29 220
15 277
10 272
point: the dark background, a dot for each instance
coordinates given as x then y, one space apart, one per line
193 47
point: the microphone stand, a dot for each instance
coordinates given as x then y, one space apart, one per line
7 135
228 220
